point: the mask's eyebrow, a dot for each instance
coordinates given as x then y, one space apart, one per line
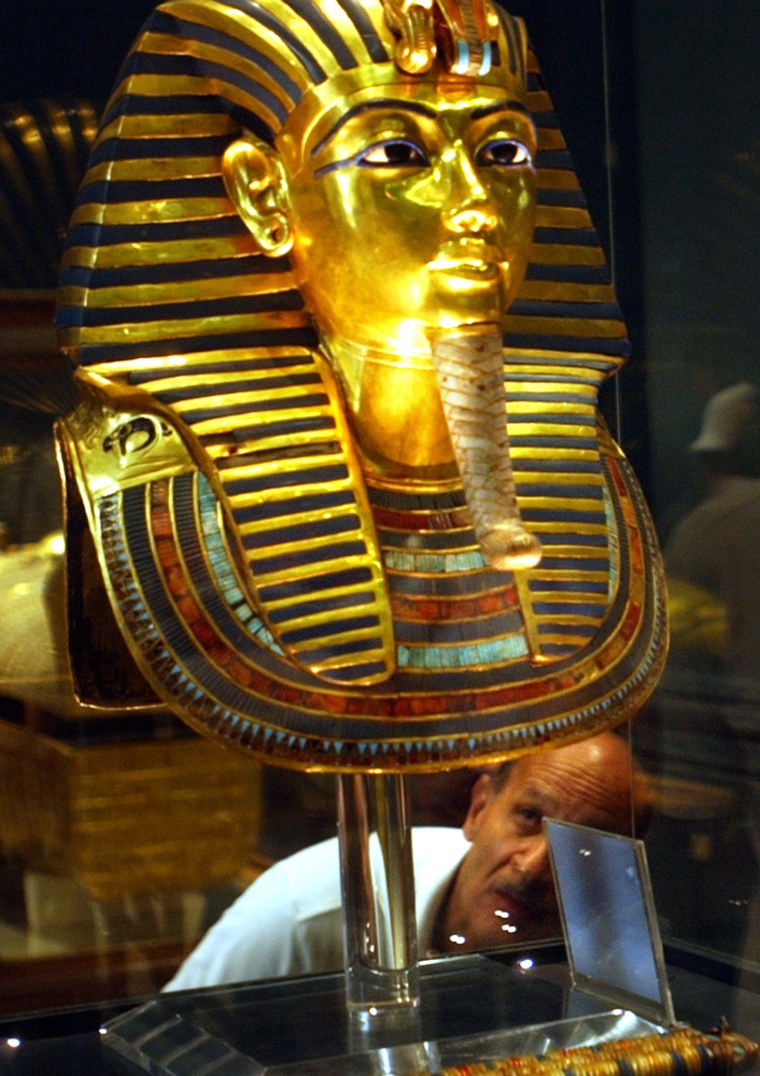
501 106
384 103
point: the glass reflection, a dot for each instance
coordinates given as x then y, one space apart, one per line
700 745
474 885
700 221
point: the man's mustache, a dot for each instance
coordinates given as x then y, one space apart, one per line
535 898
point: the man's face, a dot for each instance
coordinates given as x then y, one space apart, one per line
503 891
414 210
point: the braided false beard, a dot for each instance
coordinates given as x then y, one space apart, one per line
469 365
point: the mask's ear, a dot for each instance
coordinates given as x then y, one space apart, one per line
258 188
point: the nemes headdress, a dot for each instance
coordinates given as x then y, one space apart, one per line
268 590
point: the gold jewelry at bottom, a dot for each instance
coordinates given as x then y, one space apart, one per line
681 1052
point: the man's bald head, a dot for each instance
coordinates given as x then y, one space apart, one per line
504 890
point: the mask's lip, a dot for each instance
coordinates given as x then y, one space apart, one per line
468 256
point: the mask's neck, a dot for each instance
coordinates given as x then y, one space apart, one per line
395 410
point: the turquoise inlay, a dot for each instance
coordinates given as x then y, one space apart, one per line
433 563
613 543
222 571
491 652
485 65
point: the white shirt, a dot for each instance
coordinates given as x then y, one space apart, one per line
290 922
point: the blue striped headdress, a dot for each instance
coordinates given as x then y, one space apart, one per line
268 592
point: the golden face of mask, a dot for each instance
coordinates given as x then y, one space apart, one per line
414 212
407 211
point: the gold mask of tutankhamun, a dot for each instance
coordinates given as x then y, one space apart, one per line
339 319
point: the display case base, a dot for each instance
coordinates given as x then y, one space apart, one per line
472 1009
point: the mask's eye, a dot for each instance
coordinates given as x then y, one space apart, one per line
504 152
393 153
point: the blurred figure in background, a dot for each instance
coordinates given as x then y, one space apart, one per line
712 557
711 690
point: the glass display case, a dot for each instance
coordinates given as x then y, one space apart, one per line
124 836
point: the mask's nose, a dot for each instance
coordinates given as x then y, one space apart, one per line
473 219
470 208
